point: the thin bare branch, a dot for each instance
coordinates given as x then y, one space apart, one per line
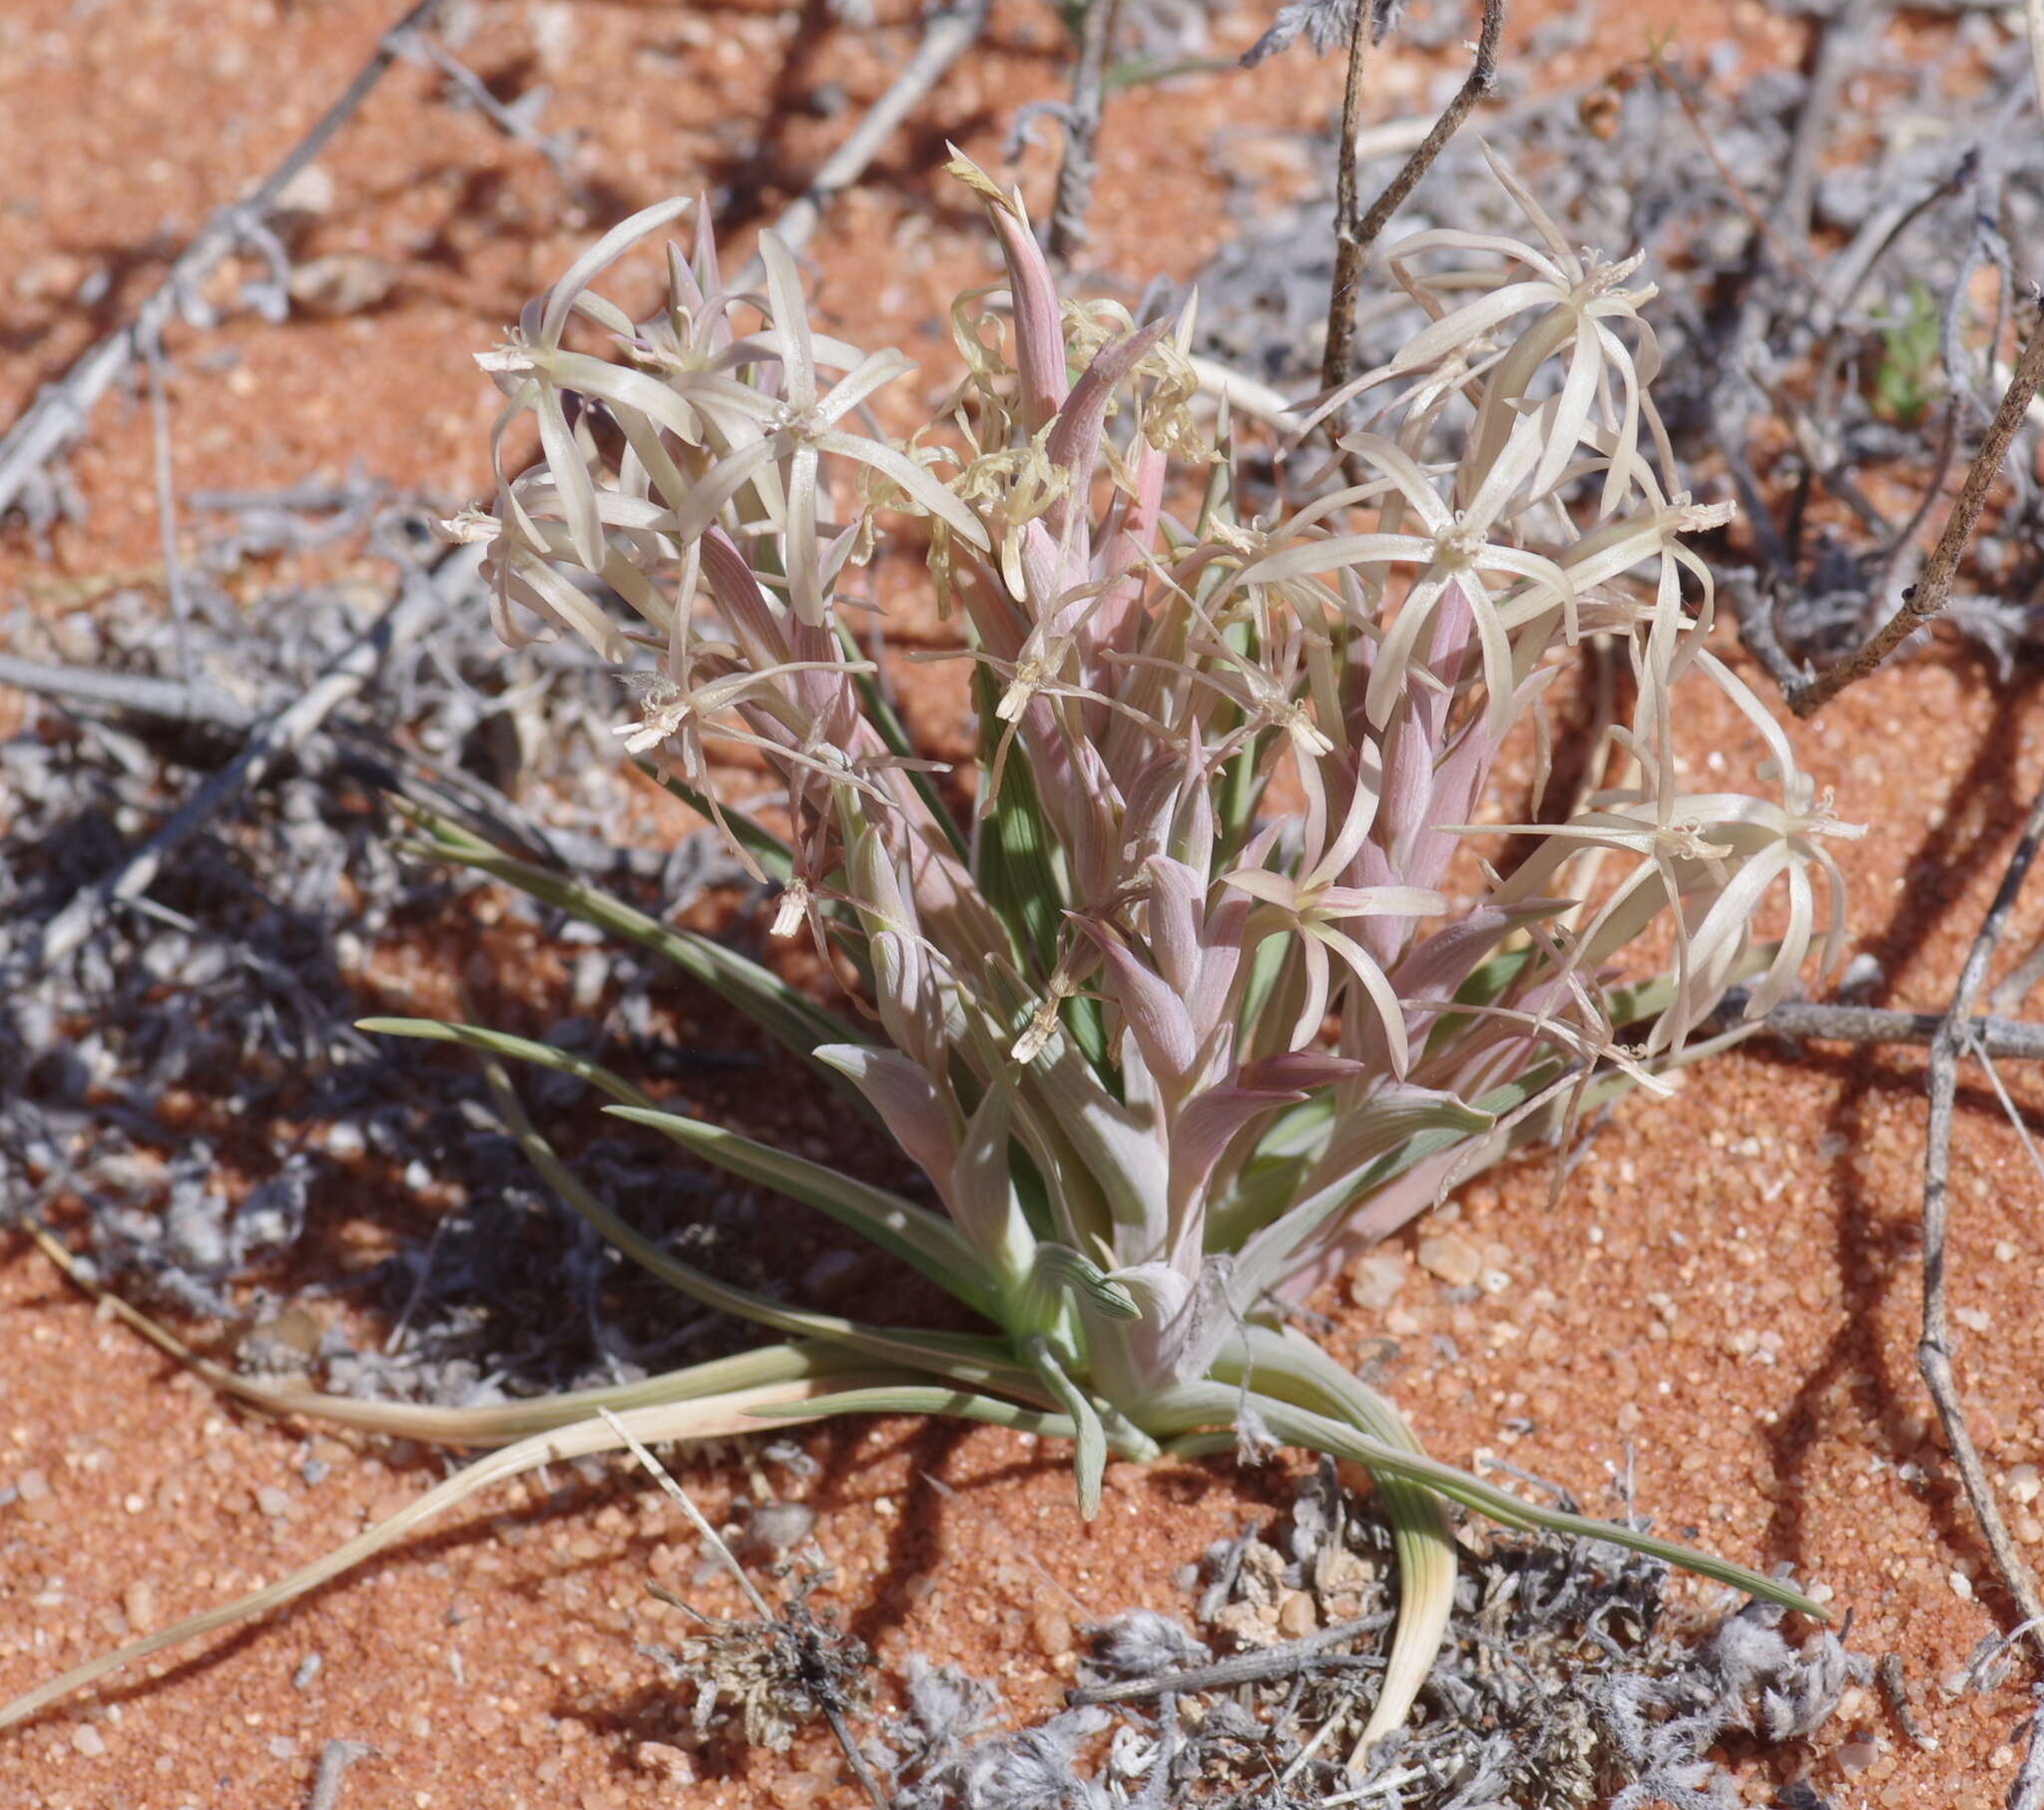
2033 19
1352 241
1933 1353
1927 599
419 598
1264 1662
945 38
1337 356
1876 1025
1080 169
136 694
166 511
1784 253
715 1540
59 413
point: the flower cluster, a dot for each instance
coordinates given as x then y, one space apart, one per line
1196 981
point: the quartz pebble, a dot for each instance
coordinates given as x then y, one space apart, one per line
1452 1259
1053 1630
1376 1278
138 1603
670 1763
1295 1615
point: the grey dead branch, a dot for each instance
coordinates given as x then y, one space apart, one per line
1566 1680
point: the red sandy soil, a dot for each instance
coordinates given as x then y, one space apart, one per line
1727 1296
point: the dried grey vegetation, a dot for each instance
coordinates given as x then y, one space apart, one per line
1566 1680
1865 353
243 969
763 1680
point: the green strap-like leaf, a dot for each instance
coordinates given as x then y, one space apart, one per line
882 715
1430 1125
1017 866
775 858
1293 1368
913 1398
519 1048
795 1021
977 1360
1056 1270
961 1357
1088 1463
921 1238
1190 1416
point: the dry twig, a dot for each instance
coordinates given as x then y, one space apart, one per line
1352 236
1076 175
1933 1353
1894 1690
1878 1025
60 410
715 1540
419 598
1925 599
130 695
945 38
1281 1661
1337 356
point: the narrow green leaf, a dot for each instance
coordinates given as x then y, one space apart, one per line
1089 1462
1283 1364
1017 867
717 1417
520 1048
795 1021
1203 1409
913 1398
961 1357
1432 1127
776 859
1056 1270
924 1240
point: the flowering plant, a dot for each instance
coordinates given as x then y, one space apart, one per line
1194 984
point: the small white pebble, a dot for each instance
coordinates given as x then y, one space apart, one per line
138 1603
1821 1593
88 1741
273 1500
32 1486
1962 1586
1974 1319
2024 1485
1857 1754
1376 1278
1452 1259
2005 1251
